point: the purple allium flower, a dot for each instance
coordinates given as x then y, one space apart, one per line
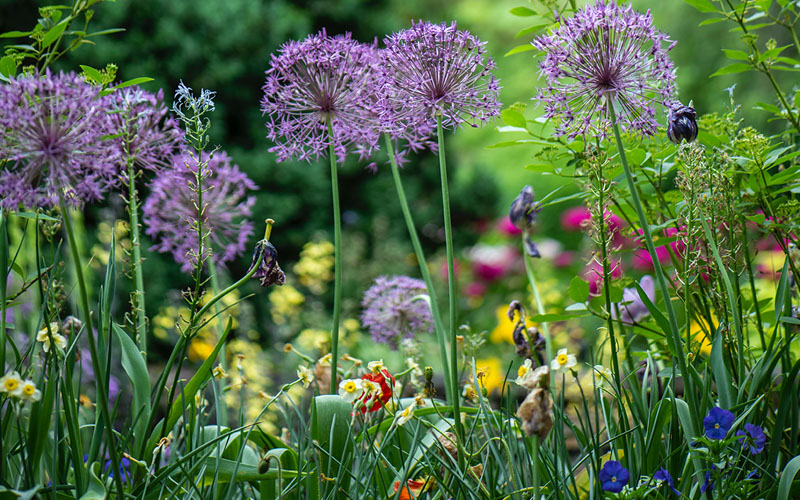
148 134
717 423
663 474
395 309
170 211
321 80
605 52
436 68
53 137
752 438
613 476
632 309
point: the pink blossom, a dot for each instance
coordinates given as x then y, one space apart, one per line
507 227
593 273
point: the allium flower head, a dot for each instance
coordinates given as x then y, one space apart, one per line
437 68
147 132
170 211
394 309
614 476
717 423
53 137
321 80
606 52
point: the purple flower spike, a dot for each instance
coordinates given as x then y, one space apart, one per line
149 134
53 137
752 438
320 80
436 68
613 476
170 212
605 52
394 309
717 423
632 309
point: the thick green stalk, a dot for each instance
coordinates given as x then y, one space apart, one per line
423 268
136 261
675 338
451 286
222 414
337 262
99 365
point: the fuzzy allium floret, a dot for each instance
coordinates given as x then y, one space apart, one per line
170 212
394 309
435 69
323 79
54 139
148 134
605 52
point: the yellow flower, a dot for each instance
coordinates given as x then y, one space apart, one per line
312 338
602 375
200 349
11 384
30 392
493 371
286 303
315 267
375 366
504 331
305 375
44 337
699 331
219 372
524 372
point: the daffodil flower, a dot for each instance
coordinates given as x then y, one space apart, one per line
563 361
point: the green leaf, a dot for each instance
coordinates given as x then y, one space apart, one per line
732 68
92 73
738 55
330 428
578 289
96 489
713 20
54 32
702 5
8 67
787 476
519 49
772 53
514 118
33 215
522 12
520 142
106 32
15 34
134 81
225 471
531 29
720 370
135 367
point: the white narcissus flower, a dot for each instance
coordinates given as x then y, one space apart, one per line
30 392
405 415
563 361
11 384
351 389
524 372
601 375
375 366
305 375
44 337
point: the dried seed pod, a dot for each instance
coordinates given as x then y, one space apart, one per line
682 124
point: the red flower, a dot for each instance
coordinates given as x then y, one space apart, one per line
412 490
382 380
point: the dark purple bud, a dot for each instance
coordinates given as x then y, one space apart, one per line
531 249
523 210
682 124
514 307
521 341
265 260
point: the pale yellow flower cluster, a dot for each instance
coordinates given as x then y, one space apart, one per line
14 386
314 270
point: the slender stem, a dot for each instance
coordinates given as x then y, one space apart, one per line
536 467
222 414
3 285
675 339
451 287
99 366
548 347
337 262
137 296
423 267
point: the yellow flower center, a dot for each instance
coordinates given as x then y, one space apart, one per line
29 389
716 426
562 359
522 371
350 386
613 479
11 385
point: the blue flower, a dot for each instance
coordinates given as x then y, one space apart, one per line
708 484
752 438
124 465
614 476
717 423
662 474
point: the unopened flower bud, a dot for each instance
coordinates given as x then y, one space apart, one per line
682 124
523 210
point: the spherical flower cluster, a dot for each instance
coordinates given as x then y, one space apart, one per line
604 54
170 211
14 386
320 83
435 69
395 309
148 134
54 139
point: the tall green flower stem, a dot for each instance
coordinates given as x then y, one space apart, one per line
674 339
450 391
3 282
548 347
223 352
337 261
137 296
451 285
98 364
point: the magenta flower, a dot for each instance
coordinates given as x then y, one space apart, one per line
593 274
321 80
435 69
604 53
170 212
54 133
147 132
396 308
643 261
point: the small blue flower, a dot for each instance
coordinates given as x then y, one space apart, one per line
752 438
662 474
708 484
614 476
717 423
124 466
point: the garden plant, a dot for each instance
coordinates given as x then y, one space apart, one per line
663 364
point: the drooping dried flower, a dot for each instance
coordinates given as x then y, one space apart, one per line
265 257
606 52
536 413
682 124
54 138
323 80
170 211
396 308
437 69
